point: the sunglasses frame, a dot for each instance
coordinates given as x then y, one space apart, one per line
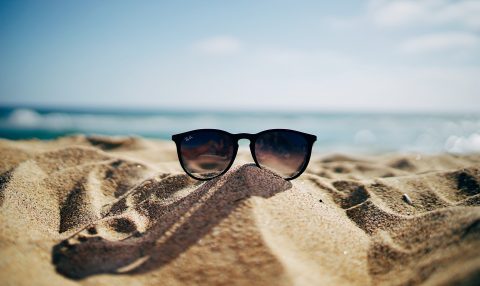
177 138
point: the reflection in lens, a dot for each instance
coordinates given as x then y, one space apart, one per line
206 154
283 152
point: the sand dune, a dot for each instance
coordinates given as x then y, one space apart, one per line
101 211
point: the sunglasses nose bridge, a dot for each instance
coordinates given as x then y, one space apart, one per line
247 136
244 136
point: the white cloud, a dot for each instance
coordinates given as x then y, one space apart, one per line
397 13
219 45
445 25
440 41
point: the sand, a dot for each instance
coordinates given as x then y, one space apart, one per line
119 211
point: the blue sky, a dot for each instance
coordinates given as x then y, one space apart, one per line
375 55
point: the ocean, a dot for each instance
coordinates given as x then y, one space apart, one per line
336 131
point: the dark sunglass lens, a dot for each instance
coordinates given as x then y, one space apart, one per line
206 154
283 152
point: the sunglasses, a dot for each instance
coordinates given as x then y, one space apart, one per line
208 153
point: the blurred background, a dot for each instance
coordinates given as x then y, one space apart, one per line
364 76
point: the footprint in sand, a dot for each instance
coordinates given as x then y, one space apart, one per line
158 220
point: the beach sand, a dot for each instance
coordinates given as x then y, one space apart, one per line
120 211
